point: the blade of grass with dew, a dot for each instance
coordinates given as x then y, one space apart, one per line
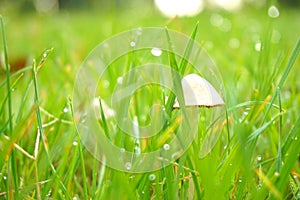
283 78
39 118
85 188
290 153
23 100
171 99
10 116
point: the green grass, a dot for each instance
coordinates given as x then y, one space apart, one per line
255 157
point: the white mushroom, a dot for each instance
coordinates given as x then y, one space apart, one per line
199 92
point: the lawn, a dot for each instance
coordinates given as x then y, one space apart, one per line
255 147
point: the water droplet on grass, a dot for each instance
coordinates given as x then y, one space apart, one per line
273 12
156 52
132 44
259 158
75 143
295 138
128 165
122 150
166 147
66 110
240 180
257 46
152 177
120 80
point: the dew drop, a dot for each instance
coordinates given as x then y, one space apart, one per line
240 180
66 110
120 80
132 44
128 165
225 147
259 158
166 147
276 174
273 12
4 177
122 150
152 177
75 143
143 192
296 138
156 51
257 46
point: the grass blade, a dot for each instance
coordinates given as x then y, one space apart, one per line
10 116
39 117
286 72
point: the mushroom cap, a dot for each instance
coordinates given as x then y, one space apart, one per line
199 92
